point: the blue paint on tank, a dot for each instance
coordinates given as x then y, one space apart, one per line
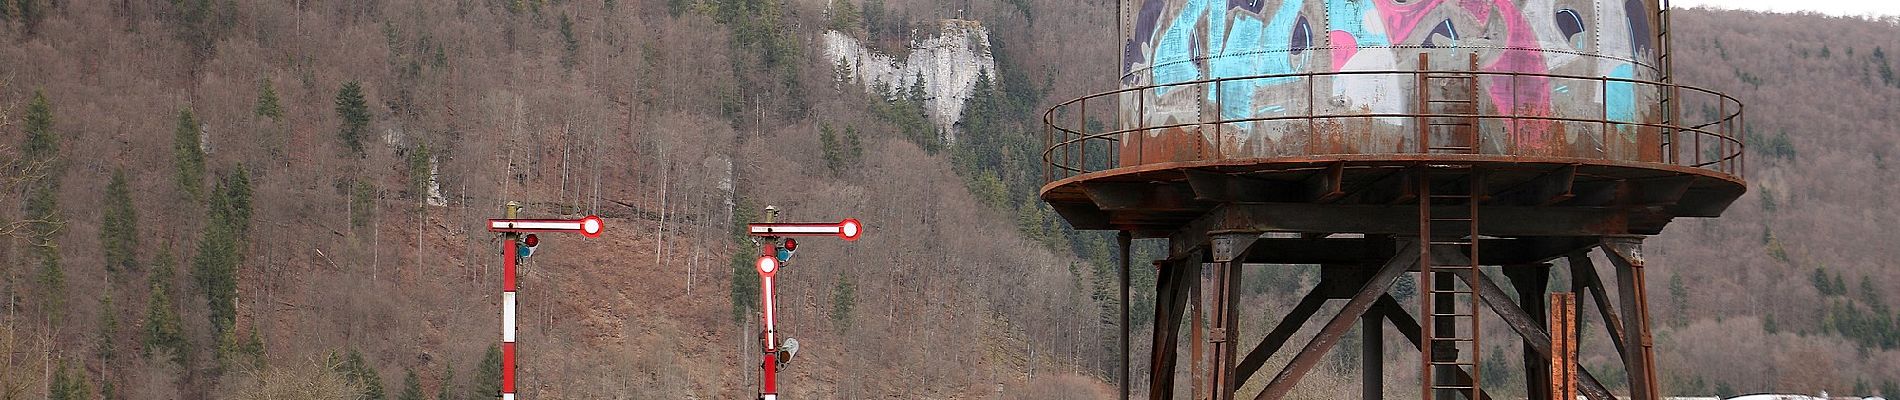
1619 98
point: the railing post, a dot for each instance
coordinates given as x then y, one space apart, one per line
1477 107
1722 110
1141 118
1220 118
1082 123
1421 107
1603 139
1512 135
1312 129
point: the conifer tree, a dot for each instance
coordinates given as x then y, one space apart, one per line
69 385
41 141
163 329
118 230
361 375
354 111
267 103
448 383
488 374
411 389
188 155
108 329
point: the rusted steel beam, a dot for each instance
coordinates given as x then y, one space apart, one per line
1197 329
1527 328
1336 327
1408 327
1596 193
1584 277
1326 185
1372 356
1147 197
1626 254
1530 282
1351 251
1396 187
1276 338
1561 380
1081 215
1123 240
1401 219
1171 290
1550 188
1229 188
1666 191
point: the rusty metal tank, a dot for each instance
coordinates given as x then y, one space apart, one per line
1252 86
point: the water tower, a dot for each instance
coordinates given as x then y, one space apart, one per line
1452 144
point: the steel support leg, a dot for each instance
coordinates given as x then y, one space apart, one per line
1218 286
1171 290
1626 253
1123 240
1372 356
1530 282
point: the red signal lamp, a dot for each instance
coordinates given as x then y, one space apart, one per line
531 240
791 244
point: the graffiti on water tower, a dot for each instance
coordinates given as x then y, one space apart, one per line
1171 42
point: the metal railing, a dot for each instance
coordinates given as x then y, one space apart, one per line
1714 141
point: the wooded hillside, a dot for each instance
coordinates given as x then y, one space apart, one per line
224 199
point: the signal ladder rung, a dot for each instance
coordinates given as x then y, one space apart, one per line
1453 363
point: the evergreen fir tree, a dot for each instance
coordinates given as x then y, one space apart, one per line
69 385
52 282
108 329
448 383
411 389
354 111
118 230
359 373
163 329
267 104
488 374
41 141
188 156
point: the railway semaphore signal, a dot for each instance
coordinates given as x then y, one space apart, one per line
772 258
520 237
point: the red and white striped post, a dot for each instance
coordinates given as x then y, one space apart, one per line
769 264
511 229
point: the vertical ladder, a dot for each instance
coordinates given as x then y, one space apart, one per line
1450 301
1448 106
1670 107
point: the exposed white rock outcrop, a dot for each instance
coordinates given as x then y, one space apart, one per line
948 63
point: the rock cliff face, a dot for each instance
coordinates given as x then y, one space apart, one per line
948 63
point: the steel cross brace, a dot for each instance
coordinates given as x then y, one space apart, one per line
1335 328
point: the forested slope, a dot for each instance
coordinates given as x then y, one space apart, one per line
304 185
